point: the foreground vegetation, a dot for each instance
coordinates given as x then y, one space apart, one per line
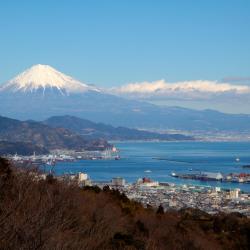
47 214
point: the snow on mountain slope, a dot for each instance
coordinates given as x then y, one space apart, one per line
42 77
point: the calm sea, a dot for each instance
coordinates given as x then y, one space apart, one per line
162 158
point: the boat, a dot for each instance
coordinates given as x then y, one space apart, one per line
174 174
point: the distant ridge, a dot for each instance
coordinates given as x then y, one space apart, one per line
46 137
100 130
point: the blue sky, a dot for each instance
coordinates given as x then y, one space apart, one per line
110 43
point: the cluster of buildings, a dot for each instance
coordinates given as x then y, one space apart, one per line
80 178
171 196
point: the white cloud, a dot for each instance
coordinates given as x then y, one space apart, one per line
199 89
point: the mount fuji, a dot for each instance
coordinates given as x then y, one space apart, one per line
44 78
41 92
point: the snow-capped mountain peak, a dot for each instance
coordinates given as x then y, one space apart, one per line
42 77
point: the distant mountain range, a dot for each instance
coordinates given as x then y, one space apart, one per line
94 130
67 132
41 92
45 137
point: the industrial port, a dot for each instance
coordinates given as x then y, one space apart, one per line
210 176
63 156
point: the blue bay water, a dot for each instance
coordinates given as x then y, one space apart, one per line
162 158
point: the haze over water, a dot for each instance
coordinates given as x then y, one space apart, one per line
162 158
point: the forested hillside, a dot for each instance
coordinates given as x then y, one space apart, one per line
47 214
